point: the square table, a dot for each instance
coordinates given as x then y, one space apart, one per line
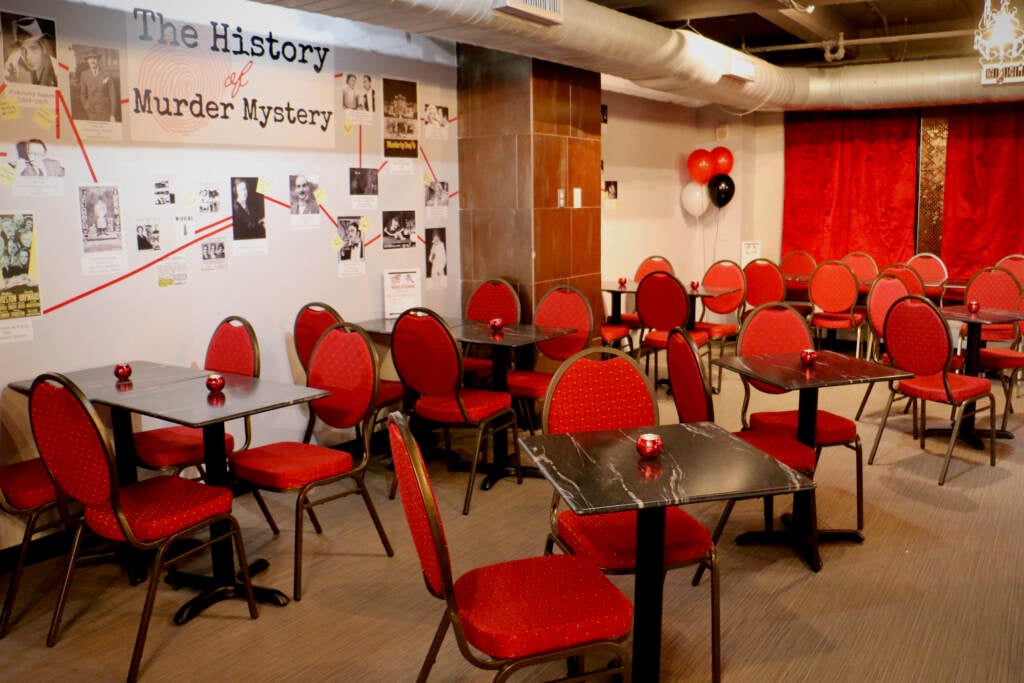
597 472
617 291
786 371
179 395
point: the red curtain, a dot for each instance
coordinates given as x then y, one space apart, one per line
981 220
851 183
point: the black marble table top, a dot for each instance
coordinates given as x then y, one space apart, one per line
613 286
985 316
786 371
101 381
478 332
598 472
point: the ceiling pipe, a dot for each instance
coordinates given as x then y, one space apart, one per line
877 40
680 63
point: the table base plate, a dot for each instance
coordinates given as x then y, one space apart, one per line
973 440
214 591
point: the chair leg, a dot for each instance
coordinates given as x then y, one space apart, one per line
65 587
477 455
435 647
716 618
147 614
864 401
373 515
881 427
992 430
243 568
860 483
393 491
12 587
266 511
715 535
313 518
959 416
301 501
923 420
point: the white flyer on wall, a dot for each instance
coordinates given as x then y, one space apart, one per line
401 291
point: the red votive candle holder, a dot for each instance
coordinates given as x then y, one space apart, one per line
215 383
122 371
648 445
973 306
808 356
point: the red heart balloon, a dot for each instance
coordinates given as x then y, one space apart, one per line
721 161
700 166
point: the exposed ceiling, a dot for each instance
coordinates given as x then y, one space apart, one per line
877 31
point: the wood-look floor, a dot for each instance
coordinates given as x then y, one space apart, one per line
935 593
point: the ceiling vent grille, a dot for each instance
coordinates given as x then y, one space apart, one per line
547 12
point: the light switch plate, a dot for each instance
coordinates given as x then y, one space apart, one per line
561 198
577 197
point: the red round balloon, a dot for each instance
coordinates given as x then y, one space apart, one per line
721 161
700 166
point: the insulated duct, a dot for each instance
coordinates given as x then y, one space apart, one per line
680 64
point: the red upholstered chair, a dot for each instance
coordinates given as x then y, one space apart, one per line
777 328
651 264
561 306
495 298
933 273
833 291
1013 263
513 614
310 322
998 288
885 290
344 362
1006 364
797 267
918 341
150 515
600 389
765 284
233 348
864 268
429 362
663 305
722 273
26 490
910 277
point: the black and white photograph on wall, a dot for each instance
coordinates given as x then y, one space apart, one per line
163 192
147 235
611 190
437 258
247 210
363 188
358 98
399 229
305 208
100 211
213 254
435 122
96 91
435 199
38 169
30 50
19 287
208 198
349 241
401 119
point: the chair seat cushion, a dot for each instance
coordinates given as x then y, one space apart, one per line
173 446
479 403
528 383
1001 359
782 445
159 507
994 332
658 339
389 392
837 321
613 333
716 330
533 605
930 387
26 484
631 320
829 429
477 366
288 464
609 540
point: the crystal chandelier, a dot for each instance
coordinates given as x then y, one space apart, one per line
999 38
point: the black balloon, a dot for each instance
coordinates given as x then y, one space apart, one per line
721 188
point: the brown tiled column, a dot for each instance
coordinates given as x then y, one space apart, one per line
527 130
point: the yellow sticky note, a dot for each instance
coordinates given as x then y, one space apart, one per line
319 195
364 224
188 200
428 177
44 118
262 185
9 108
337 242
8 174
349 127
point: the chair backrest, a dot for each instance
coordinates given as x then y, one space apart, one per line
344 362
495 298
420 506
930 267
797 262
833 287
910 277
885 290
661 301
425 353
917 336
233 348
590 393
71 441
653 264
725 273
310 322
690 389
565 306
994 287
773 328
1013 263
862 264
765 282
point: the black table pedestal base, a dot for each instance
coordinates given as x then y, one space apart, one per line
495 473
214 591
807 551
971 438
